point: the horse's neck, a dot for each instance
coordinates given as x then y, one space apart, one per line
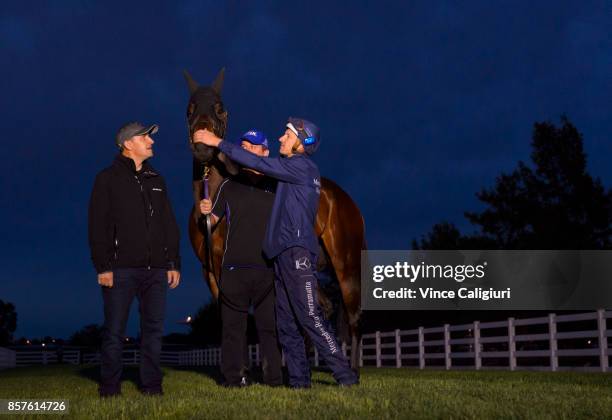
214 180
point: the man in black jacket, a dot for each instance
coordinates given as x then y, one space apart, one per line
247 277
134 242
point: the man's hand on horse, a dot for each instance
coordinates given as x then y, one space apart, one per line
205 206
206 209
173 278
106 279
206 137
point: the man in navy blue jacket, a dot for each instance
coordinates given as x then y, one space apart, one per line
291 242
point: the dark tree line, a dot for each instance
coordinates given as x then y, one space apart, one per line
8 322
89 336
554 204
206 326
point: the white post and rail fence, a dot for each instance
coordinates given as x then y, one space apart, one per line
553 343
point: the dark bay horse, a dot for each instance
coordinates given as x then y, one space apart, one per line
339 225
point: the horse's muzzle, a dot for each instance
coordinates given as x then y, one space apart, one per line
201 152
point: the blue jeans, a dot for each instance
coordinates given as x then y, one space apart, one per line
150 287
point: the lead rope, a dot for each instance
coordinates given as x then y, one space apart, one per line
208 238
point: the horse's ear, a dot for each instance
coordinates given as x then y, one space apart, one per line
193 85
217 85
229 164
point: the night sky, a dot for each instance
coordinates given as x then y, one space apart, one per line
420 105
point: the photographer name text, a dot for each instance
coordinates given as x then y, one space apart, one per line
414 272
430 293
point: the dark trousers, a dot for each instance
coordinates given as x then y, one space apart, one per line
150 287
242 287
297 307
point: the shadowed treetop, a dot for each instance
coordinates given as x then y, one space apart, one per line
556 204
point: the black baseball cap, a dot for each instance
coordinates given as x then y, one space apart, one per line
129 130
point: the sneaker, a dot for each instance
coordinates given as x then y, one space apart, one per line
244 382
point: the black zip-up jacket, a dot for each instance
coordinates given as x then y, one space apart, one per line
131 222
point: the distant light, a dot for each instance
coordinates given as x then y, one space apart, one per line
28 342
53 341
127 339
188 318
43 344
589 342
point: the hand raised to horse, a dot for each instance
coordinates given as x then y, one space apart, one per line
205 206
206 209
206 137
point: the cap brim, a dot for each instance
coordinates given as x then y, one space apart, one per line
241 139
150 130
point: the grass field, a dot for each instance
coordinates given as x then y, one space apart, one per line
383 393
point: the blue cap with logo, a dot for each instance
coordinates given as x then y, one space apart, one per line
307 132
255 137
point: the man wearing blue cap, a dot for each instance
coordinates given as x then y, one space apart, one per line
291 242
247 277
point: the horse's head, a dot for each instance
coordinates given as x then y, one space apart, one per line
205 110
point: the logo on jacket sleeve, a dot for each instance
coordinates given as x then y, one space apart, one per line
302 263
317 184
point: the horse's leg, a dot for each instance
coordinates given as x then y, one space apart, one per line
345 255
341 228
326 305
342 327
